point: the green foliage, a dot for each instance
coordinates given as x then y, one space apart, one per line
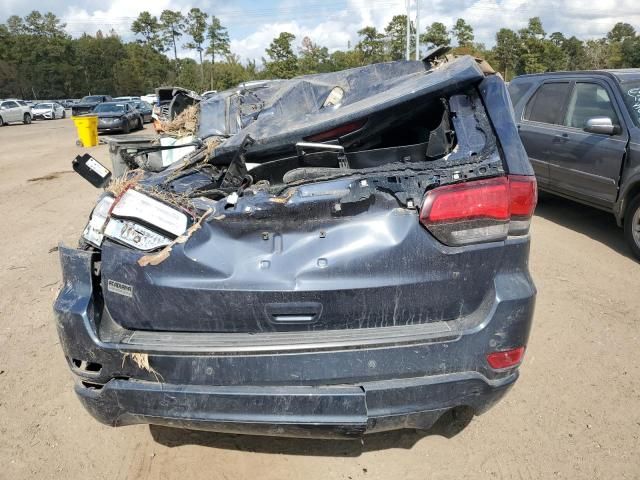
313 58
149 28
396 35
463 33
172 25
218 39
436 35
371 45
283 62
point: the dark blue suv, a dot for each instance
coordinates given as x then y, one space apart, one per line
582 133
342 253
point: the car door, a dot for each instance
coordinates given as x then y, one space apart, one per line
11 111
541 116
587 165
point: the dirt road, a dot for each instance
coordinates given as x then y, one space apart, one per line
575 413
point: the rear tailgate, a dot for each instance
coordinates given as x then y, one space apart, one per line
341 253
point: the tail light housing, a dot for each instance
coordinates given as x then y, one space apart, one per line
506 358
480 211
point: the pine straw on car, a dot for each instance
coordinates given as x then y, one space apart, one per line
119 185
183 124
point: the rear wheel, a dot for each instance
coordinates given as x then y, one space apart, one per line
26 119
632 226
140 124
64 114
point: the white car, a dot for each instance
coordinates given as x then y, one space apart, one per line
126 99
150 98
14 111
48 111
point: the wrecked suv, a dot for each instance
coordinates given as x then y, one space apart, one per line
340 254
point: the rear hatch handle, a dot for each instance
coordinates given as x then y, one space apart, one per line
293 313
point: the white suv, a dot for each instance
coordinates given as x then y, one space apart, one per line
14 111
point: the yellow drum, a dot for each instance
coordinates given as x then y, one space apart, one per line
87 127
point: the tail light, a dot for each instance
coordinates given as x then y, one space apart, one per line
481 210
337 132
505 359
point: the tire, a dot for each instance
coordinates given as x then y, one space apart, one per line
64 114
26 119
632 226
1 122
140 124
53 116
126 128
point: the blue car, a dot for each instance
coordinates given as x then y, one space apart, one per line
338 254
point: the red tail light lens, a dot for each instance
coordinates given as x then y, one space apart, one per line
337 132
505 359
480 210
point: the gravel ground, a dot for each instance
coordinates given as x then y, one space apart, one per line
575 412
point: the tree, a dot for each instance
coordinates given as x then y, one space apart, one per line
172 25
557 38
396 37
463 33
620 31
218 43
574 51
196 26
283 62
149 28
506 51
436 35
371 45
533 48
313 58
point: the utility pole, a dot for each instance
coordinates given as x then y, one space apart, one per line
407 55
417 29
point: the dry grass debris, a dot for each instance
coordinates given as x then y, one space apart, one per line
183 124
141 360
119 185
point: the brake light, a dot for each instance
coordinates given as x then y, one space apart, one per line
337 132
481 210
505 359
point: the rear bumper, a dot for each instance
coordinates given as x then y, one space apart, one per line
299 411
329 385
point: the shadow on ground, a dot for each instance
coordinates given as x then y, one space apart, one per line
596 224
448 426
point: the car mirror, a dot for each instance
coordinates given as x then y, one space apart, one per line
602 125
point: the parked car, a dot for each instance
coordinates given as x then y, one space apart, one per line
48 111
150 98
117 116
126 99
581 131
349 261
12 111
145 110
88 103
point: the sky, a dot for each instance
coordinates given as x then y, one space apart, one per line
334 23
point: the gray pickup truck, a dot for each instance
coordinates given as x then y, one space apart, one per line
581 131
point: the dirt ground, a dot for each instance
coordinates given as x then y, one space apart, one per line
575 412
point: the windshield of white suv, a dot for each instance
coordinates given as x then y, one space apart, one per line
631 93
43 105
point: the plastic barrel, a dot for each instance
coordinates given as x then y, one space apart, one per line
87 127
